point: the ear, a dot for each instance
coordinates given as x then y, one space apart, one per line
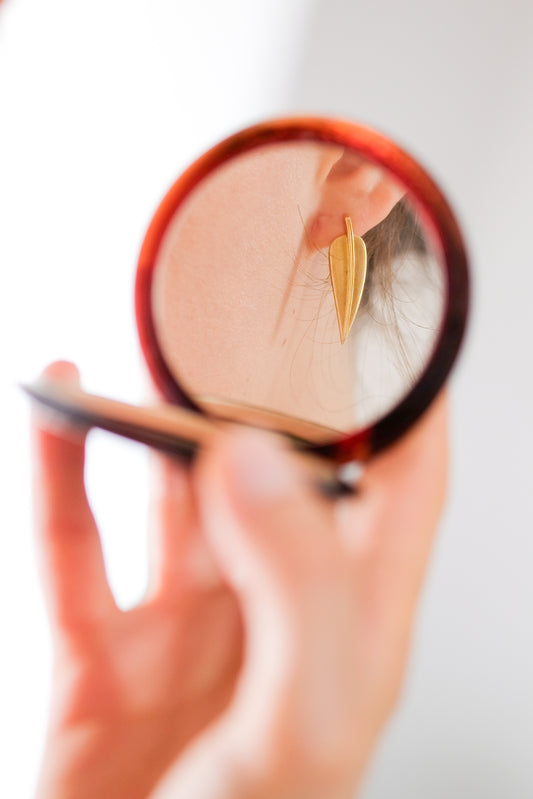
352 186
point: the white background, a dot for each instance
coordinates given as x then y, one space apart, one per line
102 104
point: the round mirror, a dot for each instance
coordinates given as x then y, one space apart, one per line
307 276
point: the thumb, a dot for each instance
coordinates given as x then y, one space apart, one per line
275 542
263 520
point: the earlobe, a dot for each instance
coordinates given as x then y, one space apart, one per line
356 188
355 196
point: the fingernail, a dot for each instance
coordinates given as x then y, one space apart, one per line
354 525
260 469
202 566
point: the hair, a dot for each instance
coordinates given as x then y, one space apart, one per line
400 309
397 235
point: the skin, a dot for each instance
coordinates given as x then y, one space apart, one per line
270 649
243 279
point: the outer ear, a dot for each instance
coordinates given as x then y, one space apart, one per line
356 188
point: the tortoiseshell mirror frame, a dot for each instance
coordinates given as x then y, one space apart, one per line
436 214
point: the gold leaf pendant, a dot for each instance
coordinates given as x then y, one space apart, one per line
347 272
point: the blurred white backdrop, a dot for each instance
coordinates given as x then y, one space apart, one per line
102 106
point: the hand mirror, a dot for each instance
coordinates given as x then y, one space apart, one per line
304 275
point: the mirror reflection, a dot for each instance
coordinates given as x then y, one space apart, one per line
296 287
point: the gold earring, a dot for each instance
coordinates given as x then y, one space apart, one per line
347 272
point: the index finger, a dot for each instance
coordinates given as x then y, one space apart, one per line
69 548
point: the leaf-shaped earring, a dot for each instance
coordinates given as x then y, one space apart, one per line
347 272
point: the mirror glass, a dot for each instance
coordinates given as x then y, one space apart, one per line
263 307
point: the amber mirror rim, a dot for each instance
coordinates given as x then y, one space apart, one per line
435 213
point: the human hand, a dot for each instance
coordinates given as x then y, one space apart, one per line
129 688
328 593
326 626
